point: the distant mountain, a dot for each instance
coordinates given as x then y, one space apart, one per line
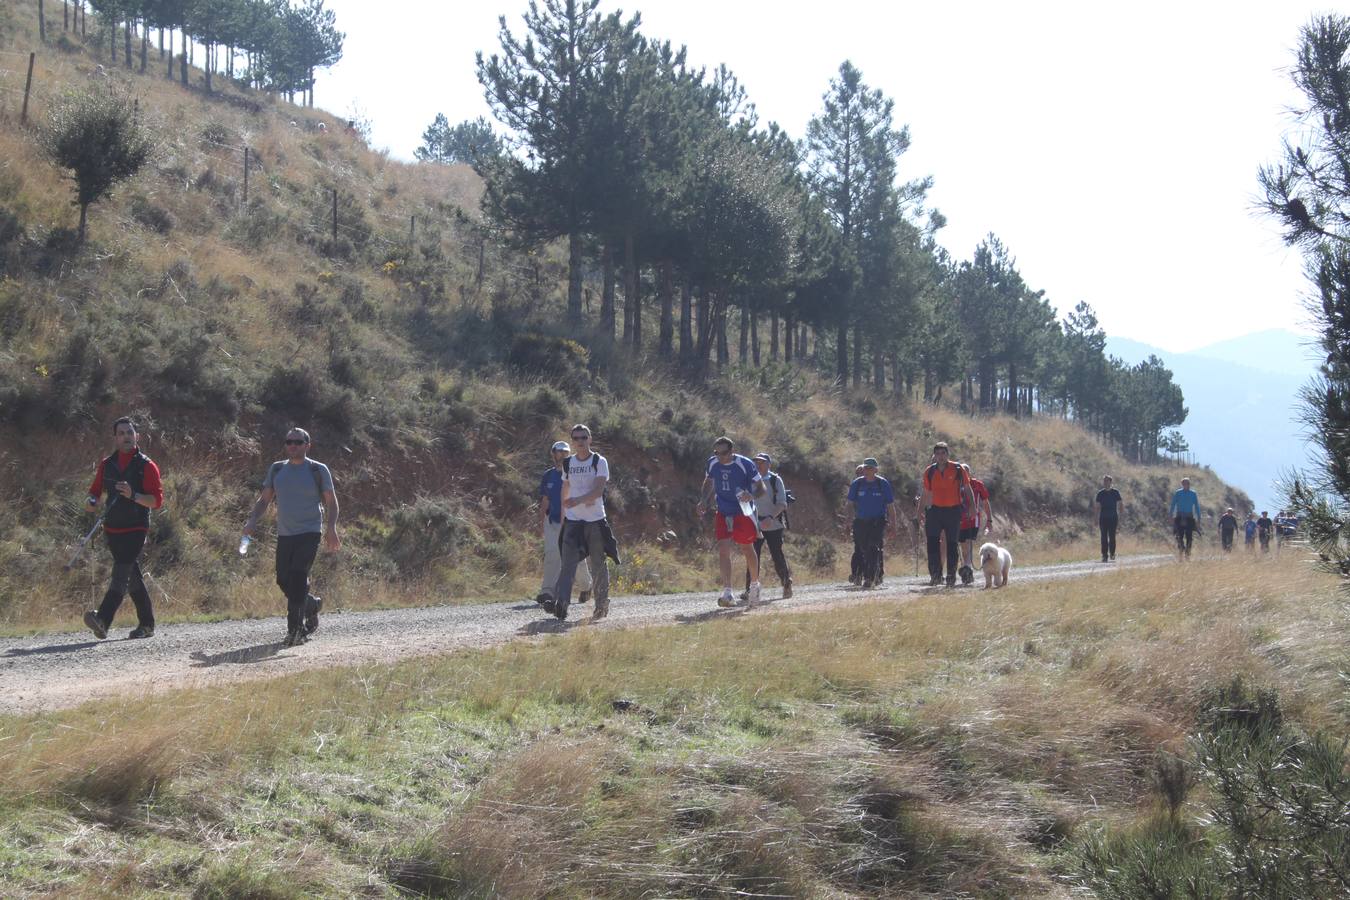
1242 394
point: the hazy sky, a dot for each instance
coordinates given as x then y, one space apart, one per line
1113 148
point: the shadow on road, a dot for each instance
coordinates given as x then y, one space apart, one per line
259 653
548 626
51 648
733 612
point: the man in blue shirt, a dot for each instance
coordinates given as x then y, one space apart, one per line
873 502
550 523
734 481
1185 512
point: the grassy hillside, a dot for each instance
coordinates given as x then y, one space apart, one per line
1042 741
433 371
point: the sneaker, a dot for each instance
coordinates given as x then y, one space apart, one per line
560 611
1113 557
855 579
727 600
880 580
542 598
744 595
95 624
312 606
142 631
934 580
601 609
967 575
787 590
752 595
867 584
550 606
295 638
951 581
584 597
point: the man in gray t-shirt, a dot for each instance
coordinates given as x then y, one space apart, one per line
303 489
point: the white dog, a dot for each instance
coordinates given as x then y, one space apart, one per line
995 561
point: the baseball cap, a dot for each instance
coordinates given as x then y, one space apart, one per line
561 445
764 456
869 463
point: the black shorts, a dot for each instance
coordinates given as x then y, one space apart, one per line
969 534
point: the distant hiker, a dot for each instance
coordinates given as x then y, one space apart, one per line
772 509
873 502
1185 513
1264 527
1228 525
585 529
1285 528
946 490
550 524
973 518
307 510
130 481
855 563
1109 503
1249 531
733 482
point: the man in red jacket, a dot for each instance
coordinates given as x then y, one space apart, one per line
130 481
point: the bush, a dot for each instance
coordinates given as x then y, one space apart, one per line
151 215
255 226
428 531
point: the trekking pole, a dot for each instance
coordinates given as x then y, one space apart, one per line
79 551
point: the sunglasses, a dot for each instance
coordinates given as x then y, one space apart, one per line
581 437
296 442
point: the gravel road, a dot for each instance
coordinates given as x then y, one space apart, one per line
51 671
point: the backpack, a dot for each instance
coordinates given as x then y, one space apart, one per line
962 480
775 482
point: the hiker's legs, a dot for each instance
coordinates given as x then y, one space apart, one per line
594 573
295 557
952 528
874 530
751 561
860 548
933 534
724 561
573 538
552 558
759 546
126 576
780 565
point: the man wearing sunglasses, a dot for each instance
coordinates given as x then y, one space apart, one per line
307 509
585 531
735 482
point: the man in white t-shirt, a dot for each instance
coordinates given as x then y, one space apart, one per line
585 474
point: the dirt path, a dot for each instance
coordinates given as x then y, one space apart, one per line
57 670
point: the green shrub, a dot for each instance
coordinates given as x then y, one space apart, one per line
426 532
151 215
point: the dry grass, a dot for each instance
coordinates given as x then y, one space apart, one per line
937 747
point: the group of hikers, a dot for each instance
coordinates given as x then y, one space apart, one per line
1184 514
749 502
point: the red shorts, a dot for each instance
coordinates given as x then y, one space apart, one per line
743 529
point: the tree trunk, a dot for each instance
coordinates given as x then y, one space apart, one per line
841 352
229 62
574 278
84 220
168 73
878 367
745 334
667 339
857 355
723 354
183 59
704 324
754 339
145 46
773 336
789 337
686 320
127 41
607 291
1012 407
207 67
631 317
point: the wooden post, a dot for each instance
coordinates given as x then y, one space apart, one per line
412 229
334 215
27 88
245 176
42 22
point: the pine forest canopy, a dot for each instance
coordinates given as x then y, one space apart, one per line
282 42
661 176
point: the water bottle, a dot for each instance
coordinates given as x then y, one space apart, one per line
243 544
747 507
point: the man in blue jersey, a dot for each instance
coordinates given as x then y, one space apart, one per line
734 482
1185 513
873 502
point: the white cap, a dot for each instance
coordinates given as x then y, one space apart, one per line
562 445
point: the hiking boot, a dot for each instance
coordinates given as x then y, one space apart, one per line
312 606
1103 559
295 638
744 595
727 600
95 624
855 580
867 584
560 611
601 609
951 581
752 595
141 631
967 575
584 597
787 590
550 606
542 598
934 580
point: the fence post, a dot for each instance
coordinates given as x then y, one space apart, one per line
412 229
27 87
245 176
42 22
334 216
